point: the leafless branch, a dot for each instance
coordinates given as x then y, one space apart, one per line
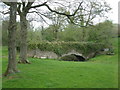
4 13
89 15
68 15
43 4
40 14
18 8
23 3
7 3
28 6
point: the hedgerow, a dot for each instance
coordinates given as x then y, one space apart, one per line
61 48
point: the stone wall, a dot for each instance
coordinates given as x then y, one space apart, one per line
51 55
42 54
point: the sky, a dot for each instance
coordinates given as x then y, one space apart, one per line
114 12
113 15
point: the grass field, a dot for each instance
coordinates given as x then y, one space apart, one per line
99 72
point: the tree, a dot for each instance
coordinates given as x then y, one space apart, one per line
12 68
100 33
23 22
58 22
25 7
88 12
23 36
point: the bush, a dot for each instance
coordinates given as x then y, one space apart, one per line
61 48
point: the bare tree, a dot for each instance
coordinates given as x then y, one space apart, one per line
90 11
23 31
58 22
29 6
26 6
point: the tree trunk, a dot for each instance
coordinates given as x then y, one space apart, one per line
23 36
12 68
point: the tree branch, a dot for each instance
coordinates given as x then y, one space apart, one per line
40 14
68 15
18 8
29 4
39 5
23 3
7 3
89 15
77 9
57 11
8 12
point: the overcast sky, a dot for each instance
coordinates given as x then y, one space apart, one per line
114 5
111 16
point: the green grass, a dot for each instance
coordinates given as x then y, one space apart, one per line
99 72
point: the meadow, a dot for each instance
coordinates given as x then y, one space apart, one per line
98 72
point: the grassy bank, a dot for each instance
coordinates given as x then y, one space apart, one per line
99 72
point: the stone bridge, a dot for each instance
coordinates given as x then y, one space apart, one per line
52 55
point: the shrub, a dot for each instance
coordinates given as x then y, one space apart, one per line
61 48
